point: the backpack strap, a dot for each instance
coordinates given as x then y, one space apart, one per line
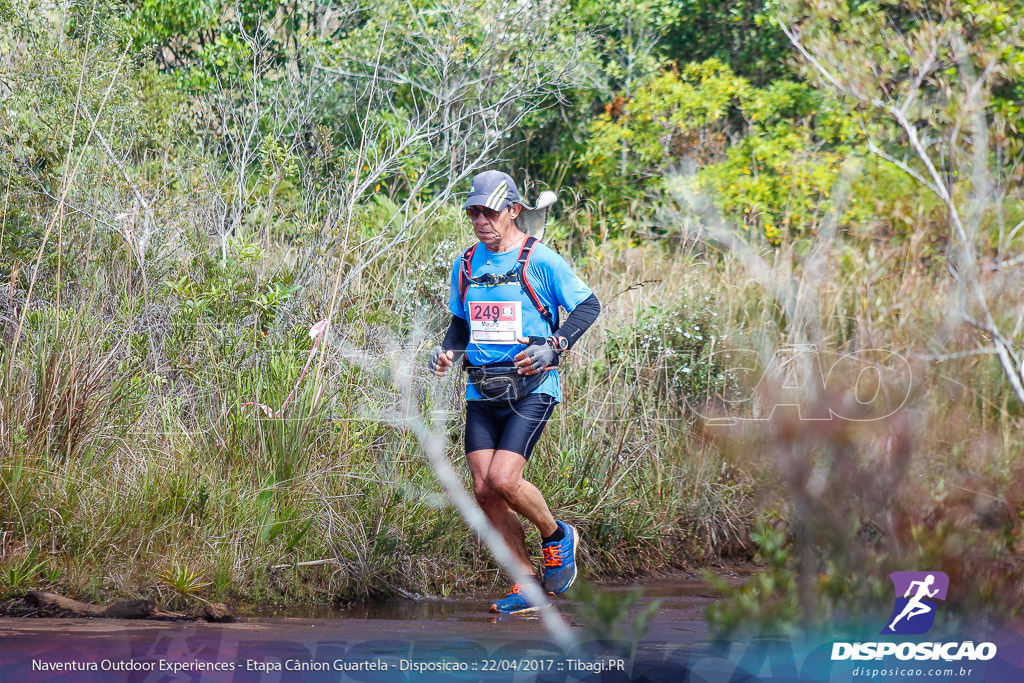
466 271
523 261
466 276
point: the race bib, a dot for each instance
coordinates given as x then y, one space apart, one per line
495 322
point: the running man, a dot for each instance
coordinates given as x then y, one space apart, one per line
915 606
505 294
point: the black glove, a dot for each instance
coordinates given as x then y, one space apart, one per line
536 356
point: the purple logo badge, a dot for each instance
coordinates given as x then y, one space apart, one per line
916 593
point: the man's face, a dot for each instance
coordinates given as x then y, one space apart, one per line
491 226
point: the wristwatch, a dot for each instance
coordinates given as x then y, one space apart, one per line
558 343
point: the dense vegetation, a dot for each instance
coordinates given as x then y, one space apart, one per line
187 187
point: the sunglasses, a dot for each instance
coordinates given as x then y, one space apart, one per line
474 211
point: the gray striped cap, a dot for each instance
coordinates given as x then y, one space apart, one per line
493 189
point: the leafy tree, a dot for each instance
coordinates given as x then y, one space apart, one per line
631 38
52 89
925 78
637 138
180 31
767 157
741 33
776 181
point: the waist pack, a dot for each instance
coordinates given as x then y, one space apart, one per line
501 382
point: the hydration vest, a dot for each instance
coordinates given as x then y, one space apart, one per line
517 274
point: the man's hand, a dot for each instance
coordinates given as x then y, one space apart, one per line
440 361
535 357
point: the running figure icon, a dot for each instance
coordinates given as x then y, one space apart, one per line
915 606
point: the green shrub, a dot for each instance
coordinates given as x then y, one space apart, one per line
675 113
768 600
673 349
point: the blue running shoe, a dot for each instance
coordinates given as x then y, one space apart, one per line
513 603
560 561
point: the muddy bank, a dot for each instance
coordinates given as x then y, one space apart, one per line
52 605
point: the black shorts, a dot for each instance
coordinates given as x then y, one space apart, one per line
509 427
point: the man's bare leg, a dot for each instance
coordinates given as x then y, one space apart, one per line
501 516
505 477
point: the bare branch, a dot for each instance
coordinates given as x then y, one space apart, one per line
903 166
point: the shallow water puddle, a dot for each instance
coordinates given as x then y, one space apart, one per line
399 640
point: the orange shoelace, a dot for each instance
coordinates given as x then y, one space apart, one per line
515 589
552 556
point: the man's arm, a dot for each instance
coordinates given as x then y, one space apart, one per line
543 352
457 336
579 320
452 346
565 288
